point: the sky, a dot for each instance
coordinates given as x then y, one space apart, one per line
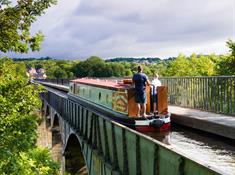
78 29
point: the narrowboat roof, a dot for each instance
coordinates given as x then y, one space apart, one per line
107 84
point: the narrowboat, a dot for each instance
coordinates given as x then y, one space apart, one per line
115 100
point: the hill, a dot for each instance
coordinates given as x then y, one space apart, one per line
135 60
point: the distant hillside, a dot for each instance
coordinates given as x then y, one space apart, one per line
136 60
31 59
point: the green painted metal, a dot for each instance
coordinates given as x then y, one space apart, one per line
131 155
97 95
216 94
102 96
119 145
111 148
169 162
110 142
147 153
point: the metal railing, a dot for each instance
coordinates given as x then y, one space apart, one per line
124 150
215 94
61 81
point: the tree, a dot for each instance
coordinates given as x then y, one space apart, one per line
200 65
226 64
60 73
90 67
18 98
18 123
159 68
179 66
15 22
231 46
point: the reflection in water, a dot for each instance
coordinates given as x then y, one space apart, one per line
210 149
163 136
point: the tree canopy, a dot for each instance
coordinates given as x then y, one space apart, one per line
18 99
18 123
193 65
15 22
226 63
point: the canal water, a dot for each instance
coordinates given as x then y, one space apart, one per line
210 149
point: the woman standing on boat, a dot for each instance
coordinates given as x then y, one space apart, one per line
140 80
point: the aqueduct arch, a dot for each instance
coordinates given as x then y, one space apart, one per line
74 159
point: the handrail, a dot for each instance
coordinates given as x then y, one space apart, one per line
214 93
132 152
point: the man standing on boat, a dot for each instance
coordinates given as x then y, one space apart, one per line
140 80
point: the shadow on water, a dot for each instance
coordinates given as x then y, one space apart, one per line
216 151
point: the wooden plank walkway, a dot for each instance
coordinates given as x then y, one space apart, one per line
219 124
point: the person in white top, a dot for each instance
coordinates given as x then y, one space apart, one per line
155 82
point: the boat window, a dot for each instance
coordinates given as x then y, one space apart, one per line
99 95
89 92
78 89
74 88
71 88
107 98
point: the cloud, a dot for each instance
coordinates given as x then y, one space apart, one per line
163 28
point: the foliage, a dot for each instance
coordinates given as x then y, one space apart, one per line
31 59
231 46
139 60
18 101
193 65
179 67
15 22
54 68
37 162
159 68
96 67
226 64
18 98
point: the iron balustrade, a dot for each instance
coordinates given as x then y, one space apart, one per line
61 81
214 94
123 150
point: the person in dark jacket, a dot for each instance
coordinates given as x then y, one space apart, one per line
140 80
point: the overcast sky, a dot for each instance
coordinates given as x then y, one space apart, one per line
77 29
